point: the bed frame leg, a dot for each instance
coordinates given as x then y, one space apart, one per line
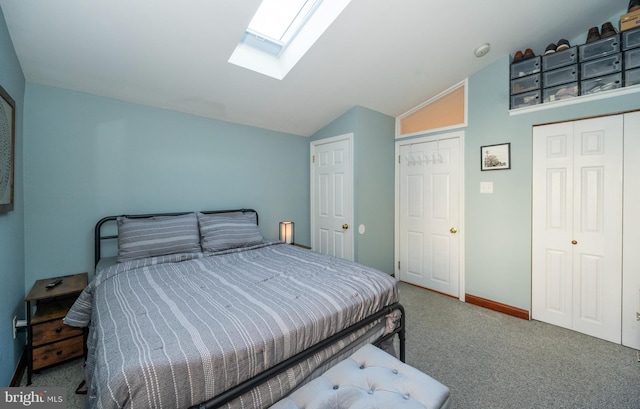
401 335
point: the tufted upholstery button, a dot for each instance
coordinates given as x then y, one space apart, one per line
335 387
362 366
370 391
395 371
406 396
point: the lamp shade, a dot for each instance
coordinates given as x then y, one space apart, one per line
286 232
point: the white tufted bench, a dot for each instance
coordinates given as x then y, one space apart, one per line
370 378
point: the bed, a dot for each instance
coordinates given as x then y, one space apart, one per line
198 310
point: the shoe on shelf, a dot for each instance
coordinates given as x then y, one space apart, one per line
517 57
633 6
607 30
593 35
528 53
564 44
551 48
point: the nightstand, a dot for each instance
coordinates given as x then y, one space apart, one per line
49 340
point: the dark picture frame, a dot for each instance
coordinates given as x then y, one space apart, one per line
7 150
495 157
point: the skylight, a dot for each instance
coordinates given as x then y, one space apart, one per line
282 31
280 20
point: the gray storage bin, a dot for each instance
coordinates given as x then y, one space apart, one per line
525 99
632 77
560 59
599 48
560 76
600 84
601 66
524 84
560 92
632 58
631 39
525 67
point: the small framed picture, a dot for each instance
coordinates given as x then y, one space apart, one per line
495 157
7 150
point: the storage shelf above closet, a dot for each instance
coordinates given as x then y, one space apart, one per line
577 100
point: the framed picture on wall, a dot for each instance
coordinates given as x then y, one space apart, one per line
7 150
495 157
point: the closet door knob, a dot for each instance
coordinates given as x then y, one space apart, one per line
574 242
453 230
345 226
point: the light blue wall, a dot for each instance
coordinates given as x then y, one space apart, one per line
12 223
373 182
87 157
498 225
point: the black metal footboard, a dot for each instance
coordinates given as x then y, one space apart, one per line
249 384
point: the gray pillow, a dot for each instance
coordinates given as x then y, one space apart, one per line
222 232
157 236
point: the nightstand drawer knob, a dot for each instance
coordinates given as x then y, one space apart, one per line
58 330
58 352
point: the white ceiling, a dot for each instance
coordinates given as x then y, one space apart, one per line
385 55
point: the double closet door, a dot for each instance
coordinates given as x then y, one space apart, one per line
577 225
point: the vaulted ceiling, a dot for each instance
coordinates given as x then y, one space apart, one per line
388 56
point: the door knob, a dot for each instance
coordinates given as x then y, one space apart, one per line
574 242
453 230
345 226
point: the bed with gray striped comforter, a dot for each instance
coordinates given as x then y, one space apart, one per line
174 331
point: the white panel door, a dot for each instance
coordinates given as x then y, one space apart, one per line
631 233
597 258
429 246
577 226
552 228
332 197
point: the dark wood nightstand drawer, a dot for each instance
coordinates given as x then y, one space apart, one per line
57 352
49 340
53 331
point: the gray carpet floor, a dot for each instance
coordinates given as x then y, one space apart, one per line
67 375
488 360
491 360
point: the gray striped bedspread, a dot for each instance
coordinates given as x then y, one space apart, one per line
174 331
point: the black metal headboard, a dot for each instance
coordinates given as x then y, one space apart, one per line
99 237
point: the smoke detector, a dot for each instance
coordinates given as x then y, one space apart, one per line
482 50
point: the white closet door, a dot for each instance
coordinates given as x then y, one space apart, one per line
429 215
577 226
552 228
597 256
631 239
